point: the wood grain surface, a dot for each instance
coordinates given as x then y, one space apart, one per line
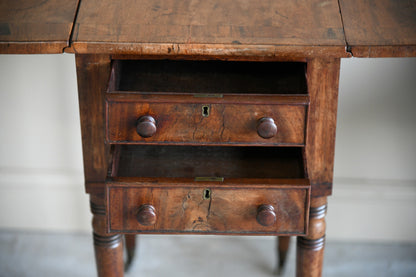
108 248
310 249
380 28
230 208
92 74
231 120
211 27
251 30
36 26
323 78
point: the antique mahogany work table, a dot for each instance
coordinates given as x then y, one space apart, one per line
208 117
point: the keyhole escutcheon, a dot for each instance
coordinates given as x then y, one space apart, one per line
205 110
207 194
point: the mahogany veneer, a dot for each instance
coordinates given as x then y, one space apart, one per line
257 29
188 119
382 28
36 26
231 207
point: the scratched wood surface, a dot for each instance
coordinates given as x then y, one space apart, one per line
92 75
210 27
35 26
227 122
323 80
380 28
183 207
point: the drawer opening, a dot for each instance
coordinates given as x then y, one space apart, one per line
207 162
209 78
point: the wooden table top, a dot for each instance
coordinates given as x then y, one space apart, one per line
36 26
210 27
217 28
380 28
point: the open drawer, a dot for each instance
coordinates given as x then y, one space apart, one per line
207 102
218 190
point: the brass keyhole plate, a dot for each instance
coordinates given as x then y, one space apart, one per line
207 194
205 110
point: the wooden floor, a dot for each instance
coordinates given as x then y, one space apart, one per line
40 254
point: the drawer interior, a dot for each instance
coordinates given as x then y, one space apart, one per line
171 161
207 77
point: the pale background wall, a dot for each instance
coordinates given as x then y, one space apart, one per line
41 179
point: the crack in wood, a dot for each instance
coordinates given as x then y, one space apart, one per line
209 207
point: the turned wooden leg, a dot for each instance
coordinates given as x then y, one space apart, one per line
93 72
310 249
108 247
322 78
282 249
130 250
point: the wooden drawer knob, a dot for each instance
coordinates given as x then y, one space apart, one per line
266 215
266 128
146 215
146 126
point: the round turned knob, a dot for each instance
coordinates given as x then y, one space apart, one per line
146 215
266 215
266 128
146 126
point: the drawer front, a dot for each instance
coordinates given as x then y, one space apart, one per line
205 121
206 208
